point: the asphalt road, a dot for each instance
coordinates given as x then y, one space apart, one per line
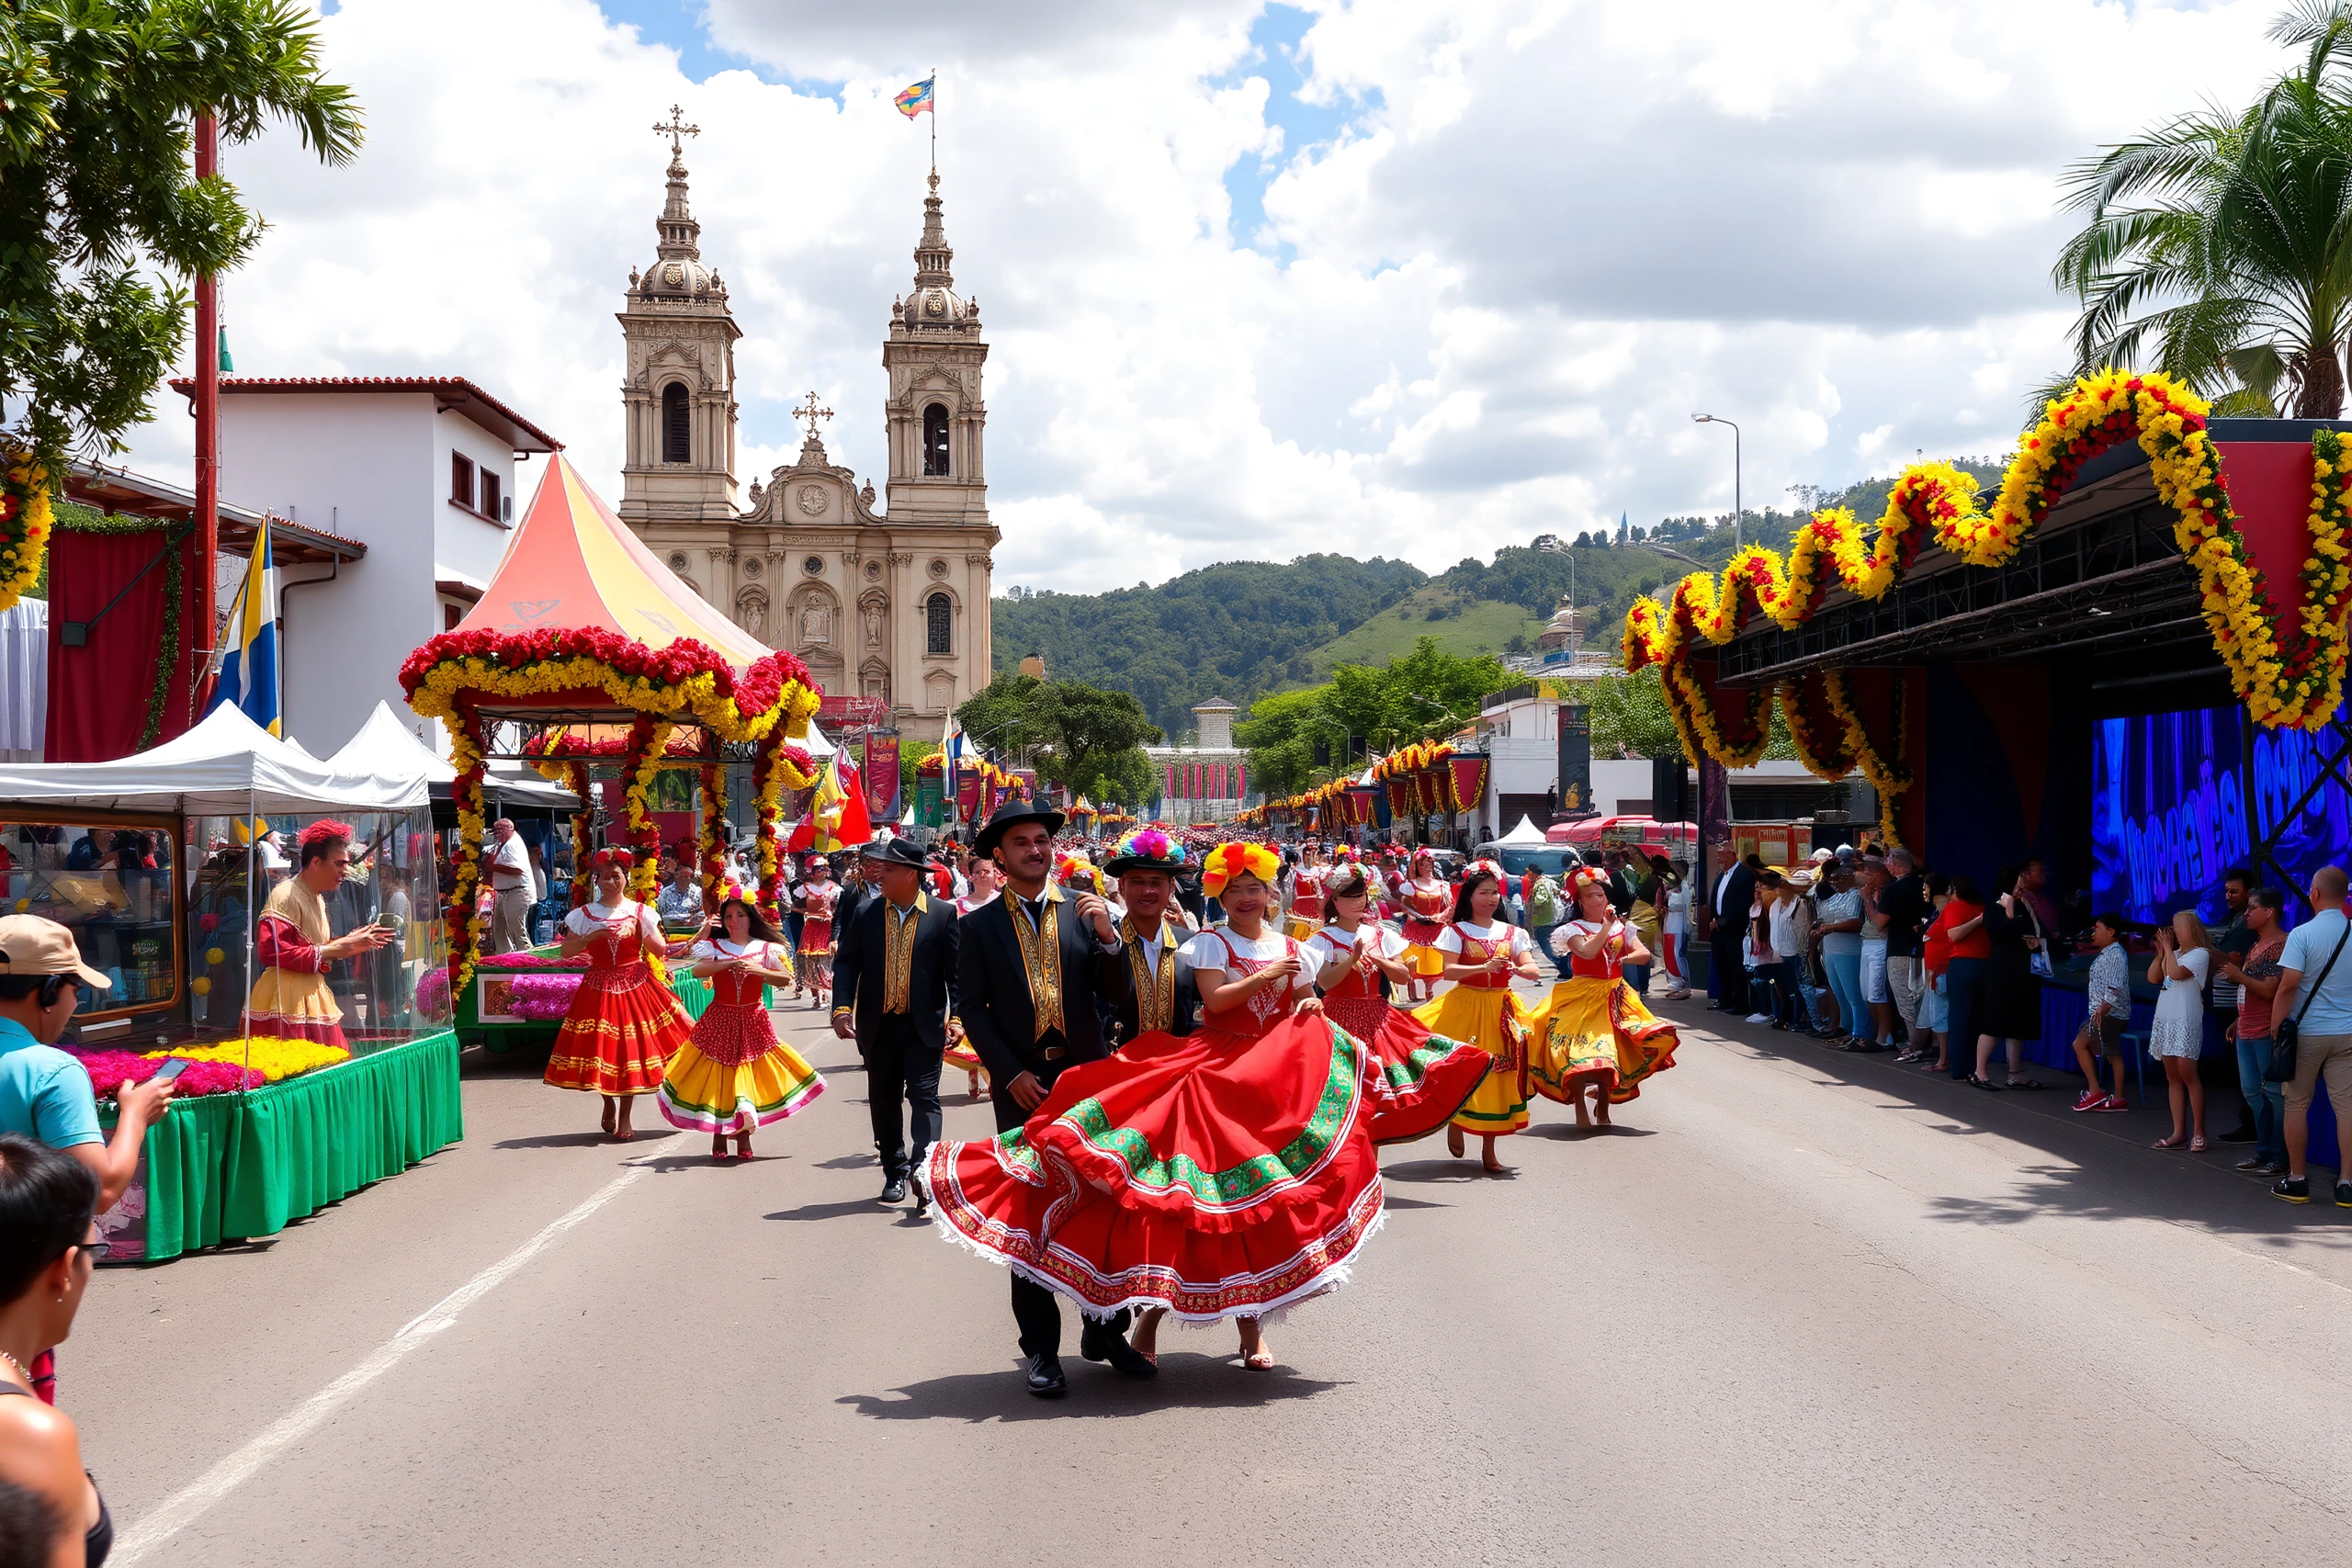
1799 1308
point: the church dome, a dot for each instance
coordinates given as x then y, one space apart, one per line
935 307
680 278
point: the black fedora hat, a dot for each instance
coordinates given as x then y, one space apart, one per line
1009 814
892 851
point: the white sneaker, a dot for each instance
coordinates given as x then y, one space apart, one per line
1759 1018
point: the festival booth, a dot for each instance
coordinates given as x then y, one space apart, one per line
2130 664
163 864
585 654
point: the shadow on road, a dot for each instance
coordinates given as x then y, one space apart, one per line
1569 1132
833 1210
579 1140
1389 1201
1437 1170
1186 1382
848 1162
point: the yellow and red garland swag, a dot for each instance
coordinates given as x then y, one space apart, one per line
2286 675
775 768
713 835
25 519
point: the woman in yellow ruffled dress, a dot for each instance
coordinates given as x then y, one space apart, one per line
1594 1040
734 1076
1483 955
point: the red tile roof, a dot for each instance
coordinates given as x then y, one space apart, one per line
454 392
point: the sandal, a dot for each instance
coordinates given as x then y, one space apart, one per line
2025 1083
1987 1084
2174 1142
2197 1145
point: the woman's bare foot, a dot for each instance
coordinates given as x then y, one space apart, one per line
1486 1157
1255 1354
1145 1340
1584 1114
609 1113
1454 1141
622 1131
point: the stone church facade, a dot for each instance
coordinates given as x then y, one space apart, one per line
889 602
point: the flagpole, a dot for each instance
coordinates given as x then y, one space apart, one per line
934 120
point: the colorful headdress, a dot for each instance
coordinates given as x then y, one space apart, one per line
1144 849
1582 877
1492 868
813 862
611 855
1077 870
1229 861
1421 857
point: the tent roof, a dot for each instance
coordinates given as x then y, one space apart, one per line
225 766
385 744
573 563
1527 832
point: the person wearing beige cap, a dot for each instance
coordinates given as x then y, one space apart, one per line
45 1092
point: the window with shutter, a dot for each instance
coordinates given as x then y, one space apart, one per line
939 618
461 480
677 424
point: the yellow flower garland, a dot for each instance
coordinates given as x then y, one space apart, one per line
25 528
273 1056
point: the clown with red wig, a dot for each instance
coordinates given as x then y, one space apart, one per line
1225 1173
625 1024
294 949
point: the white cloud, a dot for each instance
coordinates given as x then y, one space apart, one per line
1546 232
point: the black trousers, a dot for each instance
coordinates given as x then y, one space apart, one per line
1034 1308
1731 969
899 1067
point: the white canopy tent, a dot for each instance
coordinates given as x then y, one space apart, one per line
226 766
385 744
1527 835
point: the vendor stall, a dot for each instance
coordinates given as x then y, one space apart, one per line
584 653
175 870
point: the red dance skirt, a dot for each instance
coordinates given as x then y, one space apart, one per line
1220 1174
623 1027
1416 1079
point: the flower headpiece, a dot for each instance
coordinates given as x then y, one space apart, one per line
814 862
611 855
1229 861
1422 857
1078 871
1584 876
1144 849
1492 868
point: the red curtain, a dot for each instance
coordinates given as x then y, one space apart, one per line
98 693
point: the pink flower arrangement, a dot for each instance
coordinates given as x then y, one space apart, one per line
433 993
109 1070
521 960
542 999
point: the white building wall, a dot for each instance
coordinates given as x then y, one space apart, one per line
374 469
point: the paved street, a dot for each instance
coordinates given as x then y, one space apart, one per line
1801 1308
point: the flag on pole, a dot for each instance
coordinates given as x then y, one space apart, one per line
249 665
916 99
837 817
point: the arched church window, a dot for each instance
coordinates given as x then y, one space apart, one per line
677 425
934 439
939 615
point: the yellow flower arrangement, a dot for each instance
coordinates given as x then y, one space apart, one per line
26 520
273 1056
1886 769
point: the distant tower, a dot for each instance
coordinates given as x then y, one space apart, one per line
1215 719
678 467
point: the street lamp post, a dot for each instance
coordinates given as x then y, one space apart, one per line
1711 419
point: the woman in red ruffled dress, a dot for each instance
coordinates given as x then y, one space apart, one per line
1417 1080
1225 1174
1426 901
625 1024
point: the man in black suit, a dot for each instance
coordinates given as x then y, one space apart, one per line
895 982
1035 967
1727 903
1161 993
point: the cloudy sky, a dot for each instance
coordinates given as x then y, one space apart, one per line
1383 277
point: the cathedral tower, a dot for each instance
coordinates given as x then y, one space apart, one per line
678 467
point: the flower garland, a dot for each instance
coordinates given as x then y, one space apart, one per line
649 738
584 826
775 767
713 834
275 1057
111 1069
1889 774
553 751
685 676
1820 731
465 870
2286 676
25 522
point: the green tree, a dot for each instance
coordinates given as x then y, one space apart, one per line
1628 713
1002 716
1283 733
1077 736
2217 247
97 195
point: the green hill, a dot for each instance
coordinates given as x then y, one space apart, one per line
1463 625
1235 630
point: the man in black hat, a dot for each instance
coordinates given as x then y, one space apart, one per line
1161 993
894 984
1036 965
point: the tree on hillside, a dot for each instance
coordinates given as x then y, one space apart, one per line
1415 697
1076 736
2218 246
97 193
1284 733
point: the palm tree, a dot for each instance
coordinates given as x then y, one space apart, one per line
2218 247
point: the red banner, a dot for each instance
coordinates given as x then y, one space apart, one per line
882 776
1466 778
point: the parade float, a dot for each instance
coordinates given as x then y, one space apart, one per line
162 864
586 655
